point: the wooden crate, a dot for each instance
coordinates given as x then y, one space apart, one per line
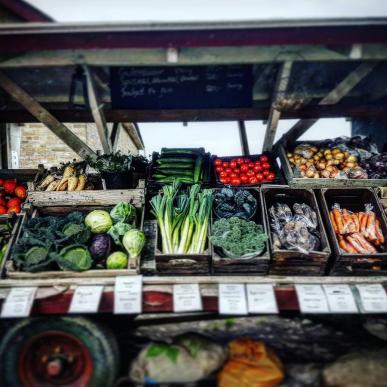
258 265
78 201
353 199
295 181
292 260
382 197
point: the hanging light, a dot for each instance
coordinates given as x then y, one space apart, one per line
79 98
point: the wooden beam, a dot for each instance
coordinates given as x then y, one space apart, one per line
97 111
44 116
333 97
134 133
114 135
243 138
281 85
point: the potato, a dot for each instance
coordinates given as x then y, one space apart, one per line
335 151
316 157
310 172
303 167
313 149
336 162
329 162
347 154
350 165
321 166
328 156
321 154
290 155
325 173
302 160
352 159
309 163
327 152
330 168
303 173
339 156
316 175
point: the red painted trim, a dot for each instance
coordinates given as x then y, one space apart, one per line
25 11
35 41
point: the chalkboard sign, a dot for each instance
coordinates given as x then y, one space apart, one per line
181 87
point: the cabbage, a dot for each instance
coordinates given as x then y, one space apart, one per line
123 212
134 241
117 231
74 258
99 221
117 260
100 247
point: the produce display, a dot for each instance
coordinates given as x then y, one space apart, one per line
238 238
111 162
5 235
357 232
183 218
185 165
230 202
12 196
244 170
294 230
76 242
69 177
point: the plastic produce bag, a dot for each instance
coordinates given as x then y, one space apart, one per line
250 364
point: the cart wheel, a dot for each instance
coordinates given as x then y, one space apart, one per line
61 351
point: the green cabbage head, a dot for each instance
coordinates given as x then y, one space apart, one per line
99 221
134 241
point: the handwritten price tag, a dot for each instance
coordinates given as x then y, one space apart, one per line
373 298
186 298
340 298
128 295
261 298
232 299
312 299
19 302
86 299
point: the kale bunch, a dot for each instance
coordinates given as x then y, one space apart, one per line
238 238
112 162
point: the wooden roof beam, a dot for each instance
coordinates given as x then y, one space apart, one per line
134 133
44 116
333 97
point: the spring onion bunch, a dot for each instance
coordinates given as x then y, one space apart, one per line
183 218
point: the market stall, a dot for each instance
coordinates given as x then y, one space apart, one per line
297 232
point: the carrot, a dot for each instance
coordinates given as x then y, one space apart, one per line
348 224
379 232
357 246
334 225
371 234
364 243
356 222
363 223
350 247
339 220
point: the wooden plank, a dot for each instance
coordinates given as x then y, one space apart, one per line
44 116
134 133
281 85
114 135
243 138
96 108
333 97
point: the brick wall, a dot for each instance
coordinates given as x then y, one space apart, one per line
38 145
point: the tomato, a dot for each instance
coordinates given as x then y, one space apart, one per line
251 165
3 210
218 162
227 170
1 182
218 169
225 180
13 202
15 209
2 202
263 158
226 164
271 176
244 168
223 174
235 181
9 186
239 160
233 164
265 172
237 171
246 159
250 173
266 166
259 176
257 169
234 175
244 179
253 180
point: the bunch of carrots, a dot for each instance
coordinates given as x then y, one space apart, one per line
357 233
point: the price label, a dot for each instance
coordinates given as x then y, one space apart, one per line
340 298
261 298
128 295
19 302
312 299
232 299
373 298
186 298
86 299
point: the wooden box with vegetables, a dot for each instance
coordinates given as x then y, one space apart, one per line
13 191
238 233
80 240
298 242
357 229
183 217
342 161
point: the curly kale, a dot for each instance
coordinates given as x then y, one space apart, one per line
238 238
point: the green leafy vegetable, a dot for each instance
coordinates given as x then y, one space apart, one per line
99 221
117 231
113 162
74 258
170 351
238 238
123 212
134 241
117 260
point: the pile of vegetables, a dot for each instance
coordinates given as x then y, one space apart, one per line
230 202
357 232
112 162
69 177
244 170
238 238
376 166
184 165
5 235
78 243
183 218
12 196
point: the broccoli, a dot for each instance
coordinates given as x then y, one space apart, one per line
238 237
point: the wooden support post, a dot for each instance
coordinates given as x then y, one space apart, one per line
134 133
97 112
114 135
333 97
274 115
243 138
45 117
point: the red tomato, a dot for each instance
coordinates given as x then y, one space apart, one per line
257 169
251 165
266 165
9 186
223 174
244 179
246 159
259 176
227 170
263 158
250 173
233 164
253 180
237 171
218 162
219 169
1 182
244 168
235 181
225 180
239 160
3 210
226 164
2 202
265 172
271 176
15 209
233 175
14 202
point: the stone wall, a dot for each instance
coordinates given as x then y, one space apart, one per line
38 145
